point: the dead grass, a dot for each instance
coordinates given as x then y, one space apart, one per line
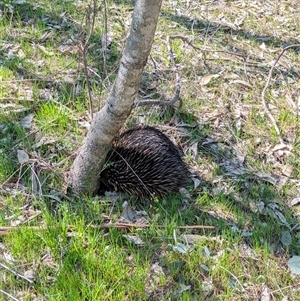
250 175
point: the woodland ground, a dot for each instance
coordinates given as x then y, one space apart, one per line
53 246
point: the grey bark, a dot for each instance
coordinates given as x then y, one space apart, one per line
85 170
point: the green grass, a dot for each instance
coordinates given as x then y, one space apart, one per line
52 118
228 140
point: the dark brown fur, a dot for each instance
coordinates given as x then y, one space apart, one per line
144 162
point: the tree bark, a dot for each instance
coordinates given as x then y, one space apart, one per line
85 170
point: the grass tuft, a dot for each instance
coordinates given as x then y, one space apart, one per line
249 181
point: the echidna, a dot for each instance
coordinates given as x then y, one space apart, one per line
144 162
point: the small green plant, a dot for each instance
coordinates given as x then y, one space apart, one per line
245 182
52 118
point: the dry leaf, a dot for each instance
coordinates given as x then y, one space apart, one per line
226 23
196 182
192 239
204 80
265 294
283 147
287 170
194 149
273 210
154 278
106 40
44 141
30 274
5 255
184 192
45 51
134 239
22 156
26 121
128 213
273 179
241 82
18 221
12 108
294 202
69 49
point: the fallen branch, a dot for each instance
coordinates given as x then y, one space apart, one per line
4 230
263 93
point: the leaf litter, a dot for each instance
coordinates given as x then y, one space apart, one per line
227 148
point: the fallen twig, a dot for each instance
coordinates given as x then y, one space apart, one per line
8 295
4 230
263 93
132 225
15 273
286 287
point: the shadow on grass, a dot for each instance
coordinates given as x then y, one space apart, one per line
247 188
201 26
241 201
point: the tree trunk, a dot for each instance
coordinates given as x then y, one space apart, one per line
85 170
